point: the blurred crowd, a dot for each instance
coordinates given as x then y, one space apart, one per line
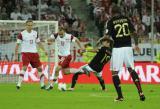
139 11
55 10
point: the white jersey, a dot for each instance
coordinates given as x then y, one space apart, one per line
28 41
64 43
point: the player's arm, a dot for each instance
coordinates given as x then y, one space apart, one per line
19 40
94 50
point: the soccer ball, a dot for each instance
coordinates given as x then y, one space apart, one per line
62 86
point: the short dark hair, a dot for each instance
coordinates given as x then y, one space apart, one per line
106 38
29 21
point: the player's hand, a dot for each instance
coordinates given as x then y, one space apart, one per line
137 49
80 51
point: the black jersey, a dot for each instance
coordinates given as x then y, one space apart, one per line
100 59
119 28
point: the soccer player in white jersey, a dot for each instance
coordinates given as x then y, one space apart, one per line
64 41
28 40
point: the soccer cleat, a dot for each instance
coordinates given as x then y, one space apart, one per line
119 99
18 87
105 90
49 88
43 87
70 89
142 97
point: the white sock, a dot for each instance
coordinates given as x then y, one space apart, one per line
20 78
42 80
73 70
54 81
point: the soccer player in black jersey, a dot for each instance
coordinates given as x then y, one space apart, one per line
96 65
120 29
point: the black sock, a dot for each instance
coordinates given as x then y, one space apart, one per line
136 80
74 80
101 81
117 86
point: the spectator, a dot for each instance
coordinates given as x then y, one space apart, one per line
15 15
9 7
44 7
25 15
146 19
3 14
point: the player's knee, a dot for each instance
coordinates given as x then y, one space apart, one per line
130 69
100 78
114 73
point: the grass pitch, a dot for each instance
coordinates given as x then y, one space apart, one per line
86 96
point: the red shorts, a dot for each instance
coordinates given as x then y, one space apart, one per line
31 58
64 61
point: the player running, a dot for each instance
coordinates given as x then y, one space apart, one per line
64 41
96 65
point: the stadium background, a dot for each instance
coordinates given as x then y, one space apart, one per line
88 27
86 20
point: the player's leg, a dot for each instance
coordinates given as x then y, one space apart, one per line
74 80
35 63
115 66
117 85
55 77
20 77
101 80
67 71
41 76
136 81
129 62
62 65
82 70
25 62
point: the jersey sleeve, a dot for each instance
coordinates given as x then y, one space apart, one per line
73 38
108 28
37 38
19 38
131 27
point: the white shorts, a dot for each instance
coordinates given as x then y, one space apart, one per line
120 56
89 69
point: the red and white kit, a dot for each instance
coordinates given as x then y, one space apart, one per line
28 42
64 48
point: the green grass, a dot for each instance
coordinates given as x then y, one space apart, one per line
86 96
